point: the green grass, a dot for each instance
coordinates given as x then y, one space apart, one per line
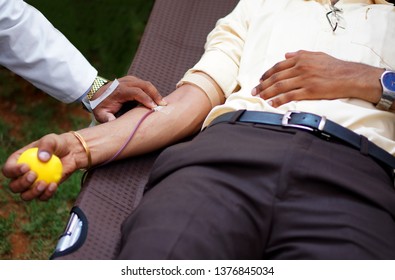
5 231
40 223
107 33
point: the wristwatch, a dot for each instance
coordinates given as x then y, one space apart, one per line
97 83
388 83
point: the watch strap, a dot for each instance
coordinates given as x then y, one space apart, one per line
107 93
97 84
387 98
385 102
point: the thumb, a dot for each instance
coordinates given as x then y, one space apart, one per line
46 147
110 117
107 117
103 115
43 155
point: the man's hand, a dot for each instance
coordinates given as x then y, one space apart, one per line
130 88
307 75
23 179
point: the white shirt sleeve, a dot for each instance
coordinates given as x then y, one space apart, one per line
34 49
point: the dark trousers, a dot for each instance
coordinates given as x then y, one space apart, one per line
243 191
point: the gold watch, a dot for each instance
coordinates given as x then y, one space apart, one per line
97 83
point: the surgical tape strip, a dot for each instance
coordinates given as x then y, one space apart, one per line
108 92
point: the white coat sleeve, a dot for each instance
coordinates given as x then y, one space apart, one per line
34 49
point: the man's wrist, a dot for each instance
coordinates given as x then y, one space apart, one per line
77 150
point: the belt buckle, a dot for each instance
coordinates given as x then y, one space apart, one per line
288 116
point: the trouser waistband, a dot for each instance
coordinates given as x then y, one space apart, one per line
315 124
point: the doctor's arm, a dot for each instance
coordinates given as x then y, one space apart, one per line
33 48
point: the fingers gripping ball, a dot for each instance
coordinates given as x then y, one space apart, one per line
50 171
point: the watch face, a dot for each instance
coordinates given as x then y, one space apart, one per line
389 80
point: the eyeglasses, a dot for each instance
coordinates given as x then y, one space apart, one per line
334 17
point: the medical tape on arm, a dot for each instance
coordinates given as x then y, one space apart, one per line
107 93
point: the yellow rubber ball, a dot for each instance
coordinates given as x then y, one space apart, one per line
50 171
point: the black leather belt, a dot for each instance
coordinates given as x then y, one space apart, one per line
315 124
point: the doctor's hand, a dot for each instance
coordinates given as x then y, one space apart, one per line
305 75
130 88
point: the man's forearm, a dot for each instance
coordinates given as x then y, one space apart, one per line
187 107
